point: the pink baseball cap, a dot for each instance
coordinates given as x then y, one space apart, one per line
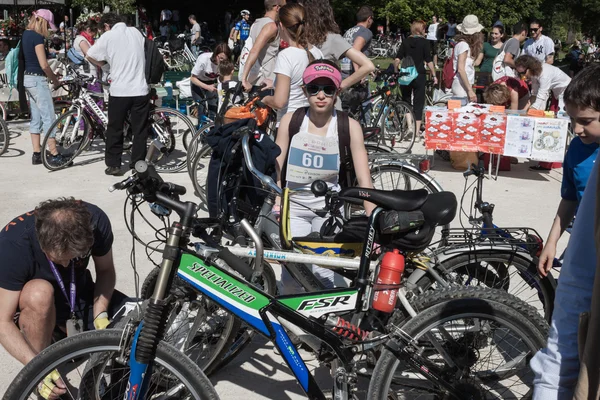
47 15
322 70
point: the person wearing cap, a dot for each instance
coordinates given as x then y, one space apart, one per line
313 153
33 80
240 33
469 44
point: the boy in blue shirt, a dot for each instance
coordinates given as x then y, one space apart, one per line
556 367
577 168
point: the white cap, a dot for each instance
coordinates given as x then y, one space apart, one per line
244 12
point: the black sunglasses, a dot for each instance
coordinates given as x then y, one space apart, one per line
534 29
314 90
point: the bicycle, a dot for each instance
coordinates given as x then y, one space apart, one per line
145 359
83 121
4 136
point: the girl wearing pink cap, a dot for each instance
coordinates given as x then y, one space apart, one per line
311 141
33 80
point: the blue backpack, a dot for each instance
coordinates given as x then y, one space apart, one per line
11 64
75 57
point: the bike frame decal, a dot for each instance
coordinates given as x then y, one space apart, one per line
330 249
324 303
225 290
135 384
289 352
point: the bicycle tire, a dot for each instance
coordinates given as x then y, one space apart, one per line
164 164
231 327
402 141
202 158
460 303
108 340
83 143
194 142
4 136
469 266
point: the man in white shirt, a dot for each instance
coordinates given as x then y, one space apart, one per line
195 34
432 37
538 45
122 47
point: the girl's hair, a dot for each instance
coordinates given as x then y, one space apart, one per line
39 25
501 30
89 24
475 42
497 94
293 18
417 28
530 63
319 21
221 48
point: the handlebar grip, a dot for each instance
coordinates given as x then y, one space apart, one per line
236 263
168 187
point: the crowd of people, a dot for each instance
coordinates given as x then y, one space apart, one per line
315 76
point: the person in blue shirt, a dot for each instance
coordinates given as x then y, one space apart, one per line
556 367
240 33
577 166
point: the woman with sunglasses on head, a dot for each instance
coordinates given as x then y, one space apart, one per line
546 80
292 61
311 150
33 80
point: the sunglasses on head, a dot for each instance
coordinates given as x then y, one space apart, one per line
314 90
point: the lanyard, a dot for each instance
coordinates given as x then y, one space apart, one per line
61 284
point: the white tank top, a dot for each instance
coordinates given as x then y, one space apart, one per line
314 157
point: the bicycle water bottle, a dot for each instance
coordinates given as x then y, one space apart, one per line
169 89
390 273
346 65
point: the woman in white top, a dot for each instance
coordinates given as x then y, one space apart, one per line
317 141
292 61
204 80
82 43
469 45
545 80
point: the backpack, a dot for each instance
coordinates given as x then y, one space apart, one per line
11 65
499 69
343 122
448 71
74 57
155 66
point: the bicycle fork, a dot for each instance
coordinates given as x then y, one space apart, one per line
152 328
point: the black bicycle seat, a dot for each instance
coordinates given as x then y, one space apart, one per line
440 208
397 200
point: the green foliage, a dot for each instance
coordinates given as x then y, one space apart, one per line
120 6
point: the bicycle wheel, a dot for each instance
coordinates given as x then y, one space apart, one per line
4 136
70 134
507 271
169 127
199 171
92 366
194 142
487 334
399 126
211 329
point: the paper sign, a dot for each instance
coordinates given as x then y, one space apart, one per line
438 130
536 113
519 136
454 104
493 133
465 132
549 140
497 109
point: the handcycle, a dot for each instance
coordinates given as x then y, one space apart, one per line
133 363
83 120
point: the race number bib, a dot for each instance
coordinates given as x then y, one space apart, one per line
312 158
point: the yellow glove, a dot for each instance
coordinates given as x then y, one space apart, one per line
101 321
52 386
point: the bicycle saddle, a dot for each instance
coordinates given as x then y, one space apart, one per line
397 200
440 208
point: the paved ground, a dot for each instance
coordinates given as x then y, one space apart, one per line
522 198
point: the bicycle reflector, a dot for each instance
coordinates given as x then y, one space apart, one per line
424 165
260 114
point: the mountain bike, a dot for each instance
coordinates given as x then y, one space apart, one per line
133 363
83 121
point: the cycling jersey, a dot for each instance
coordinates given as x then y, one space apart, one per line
243 28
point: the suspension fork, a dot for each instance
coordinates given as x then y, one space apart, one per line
152 328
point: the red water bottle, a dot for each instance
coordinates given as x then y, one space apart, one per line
390 273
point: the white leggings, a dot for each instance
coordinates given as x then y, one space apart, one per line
302 222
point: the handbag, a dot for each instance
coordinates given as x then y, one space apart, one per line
408 71
75 57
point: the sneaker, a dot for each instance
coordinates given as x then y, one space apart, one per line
59 160
36 158
114 171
